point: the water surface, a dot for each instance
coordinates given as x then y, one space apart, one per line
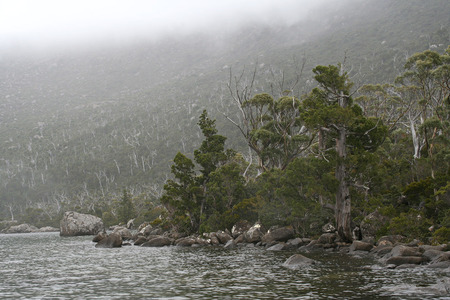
47 266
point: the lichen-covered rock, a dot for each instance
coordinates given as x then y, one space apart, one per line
297 261
223 237
186 242
254 234
401 260
328 228
281 234
113 240
360 246
327 238
100 236
240 228
124 232
158 241
22 228
74 224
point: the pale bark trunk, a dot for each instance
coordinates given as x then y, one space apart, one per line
343 200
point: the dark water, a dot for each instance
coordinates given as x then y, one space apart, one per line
45 266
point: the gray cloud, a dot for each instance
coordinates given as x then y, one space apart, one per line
51 23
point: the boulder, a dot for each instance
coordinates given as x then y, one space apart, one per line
402 250
328 228
130 224
240 228
142 226
297 242
281 234
140 240
297 261
442 247
390 240
158 241
401 260
124 232
230 244
186 242
327 238
48 229
22 228
74 224
432 254
113 240
100 236
223 237
254 234
360 246
279 247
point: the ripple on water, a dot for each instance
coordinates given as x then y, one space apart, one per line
46 266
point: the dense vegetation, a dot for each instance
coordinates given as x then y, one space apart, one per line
78 130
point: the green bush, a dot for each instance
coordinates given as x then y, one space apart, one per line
412 225
441 236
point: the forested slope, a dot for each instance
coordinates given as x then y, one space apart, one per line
76 128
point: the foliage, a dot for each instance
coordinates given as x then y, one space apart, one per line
126 209
411 224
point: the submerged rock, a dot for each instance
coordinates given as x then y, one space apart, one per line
22 228
74 224
158 241
297 261
281 234
113 240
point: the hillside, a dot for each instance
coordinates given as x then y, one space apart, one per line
78 127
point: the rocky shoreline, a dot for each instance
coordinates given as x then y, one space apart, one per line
390 251
27 228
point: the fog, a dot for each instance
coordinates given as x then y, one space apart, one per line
44 24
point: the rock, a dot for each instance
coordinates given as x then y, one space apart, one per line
142 226
360 246
407 266
443 247
124 232
240 239
279 247
214 240
439 265
130 224
281 234
402 250
254 234
223 237
100 236
328 228
297 242
22 228
185 242
74 224
48 229
158 241
297 261
390 240
113 240
140 240
382 250
327 238
154 231
240 228
432 254
401 260
230 244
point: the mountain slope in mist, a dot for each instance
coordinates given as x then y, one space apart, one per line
85 124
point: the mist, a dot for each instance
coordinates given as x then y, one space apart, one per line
50 24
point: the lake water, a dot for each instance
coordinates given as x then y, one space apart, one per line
46 266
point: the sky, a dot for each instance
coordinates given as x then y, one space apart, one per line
50 23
